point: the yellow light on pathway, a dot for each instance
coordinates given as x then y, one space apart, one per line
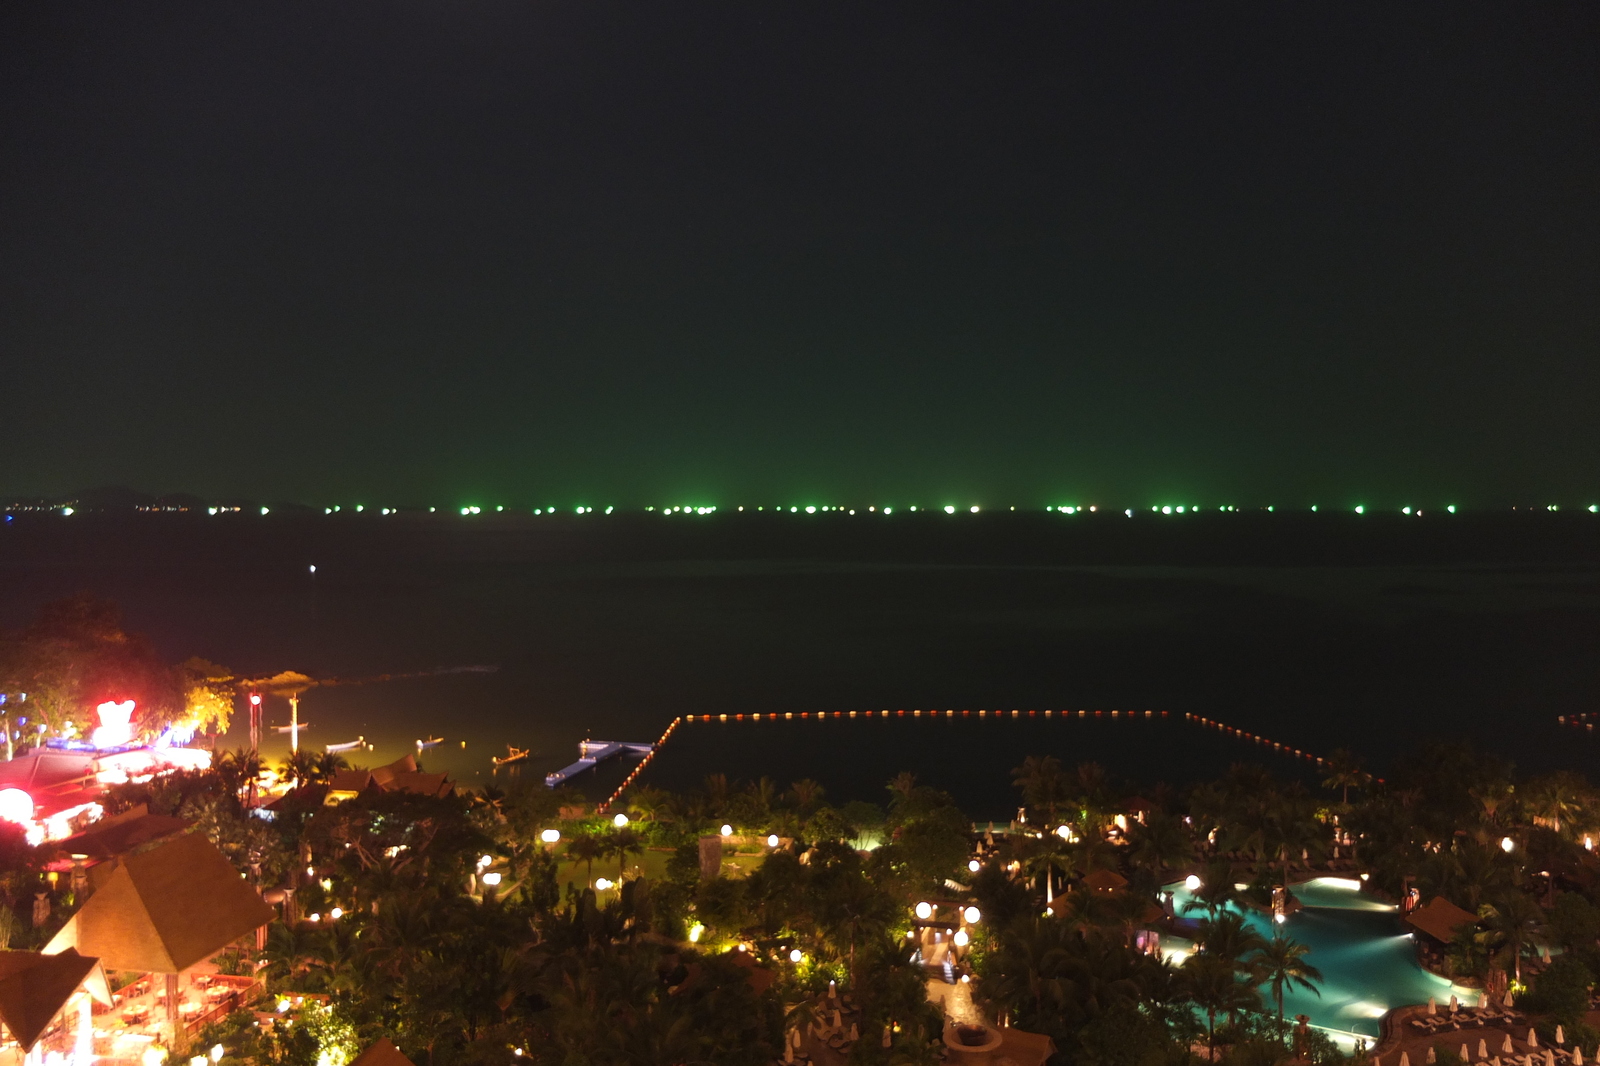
727 830
620 820
795 956
924 910
550 836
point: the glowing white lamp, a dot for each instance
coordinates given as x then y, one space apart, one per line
924 910
727 830
772 840
550 836
1507 845
974 865
620 820
961 938
1192 883
490 879
972 915
795 956
16 806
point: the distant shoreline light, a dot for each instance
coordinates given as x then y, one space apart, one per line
1164 510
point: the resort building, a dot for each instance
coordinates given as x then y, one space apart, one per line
167 911
47 1003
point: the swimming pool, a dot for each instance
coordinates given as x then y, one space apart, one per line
1368 963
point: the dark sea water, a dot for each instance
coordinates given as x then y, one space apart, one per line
1377 633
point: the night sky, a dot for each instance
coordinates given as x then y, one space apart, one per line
1013 253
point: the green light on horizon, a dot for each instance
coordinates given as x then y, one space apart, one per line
1361 508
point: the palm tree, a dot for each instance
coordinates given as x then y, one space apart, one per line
806 793
1345 773
1556 797
622 843
1216 890
1217 990
1230 937
1161 844
586 848
299 767
1041 782
1511 923
1282 962
900 787
328 765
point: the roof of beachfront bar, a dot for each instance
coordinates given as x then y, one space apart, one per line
163 910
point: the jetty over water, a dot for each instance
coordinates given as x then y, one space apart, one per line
591 752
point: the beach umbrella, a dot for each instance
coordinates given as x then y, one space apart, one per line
1455 1004
1544 953
855 1033
1507 1000
1533 1038
1433 1006
1577 1055
1561 1037
1549 1057
1405 1060
1432 1058
1483 1048
1505 1047
1466 1056
788 1053
888 1036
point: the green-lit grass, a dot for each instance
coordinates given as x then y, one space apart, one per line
652 864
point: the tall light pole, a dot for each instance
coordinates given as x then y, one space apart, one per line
255 721
294 722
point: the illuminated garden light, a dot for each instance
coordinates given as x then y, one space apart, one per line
772 840
1361 509
1191 883
795 956
491 879
1507 845
695 932
961 938
1405 510
1452 508
811 510
974 508
974 865
972 915
620 820
1166 510
550 836
924 910
727 830
890 510
949 509
602 884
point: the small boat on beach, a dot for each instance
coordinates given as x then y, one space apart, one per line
349 745
431 742
513 755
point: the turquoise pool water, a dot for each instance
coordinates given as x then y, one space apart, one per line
1368 963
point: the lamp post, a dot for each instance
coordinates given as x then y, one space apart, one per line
255 721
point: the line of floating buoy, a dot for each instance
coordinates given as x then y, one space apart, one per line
1256 738
773 716
789 716
601 808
